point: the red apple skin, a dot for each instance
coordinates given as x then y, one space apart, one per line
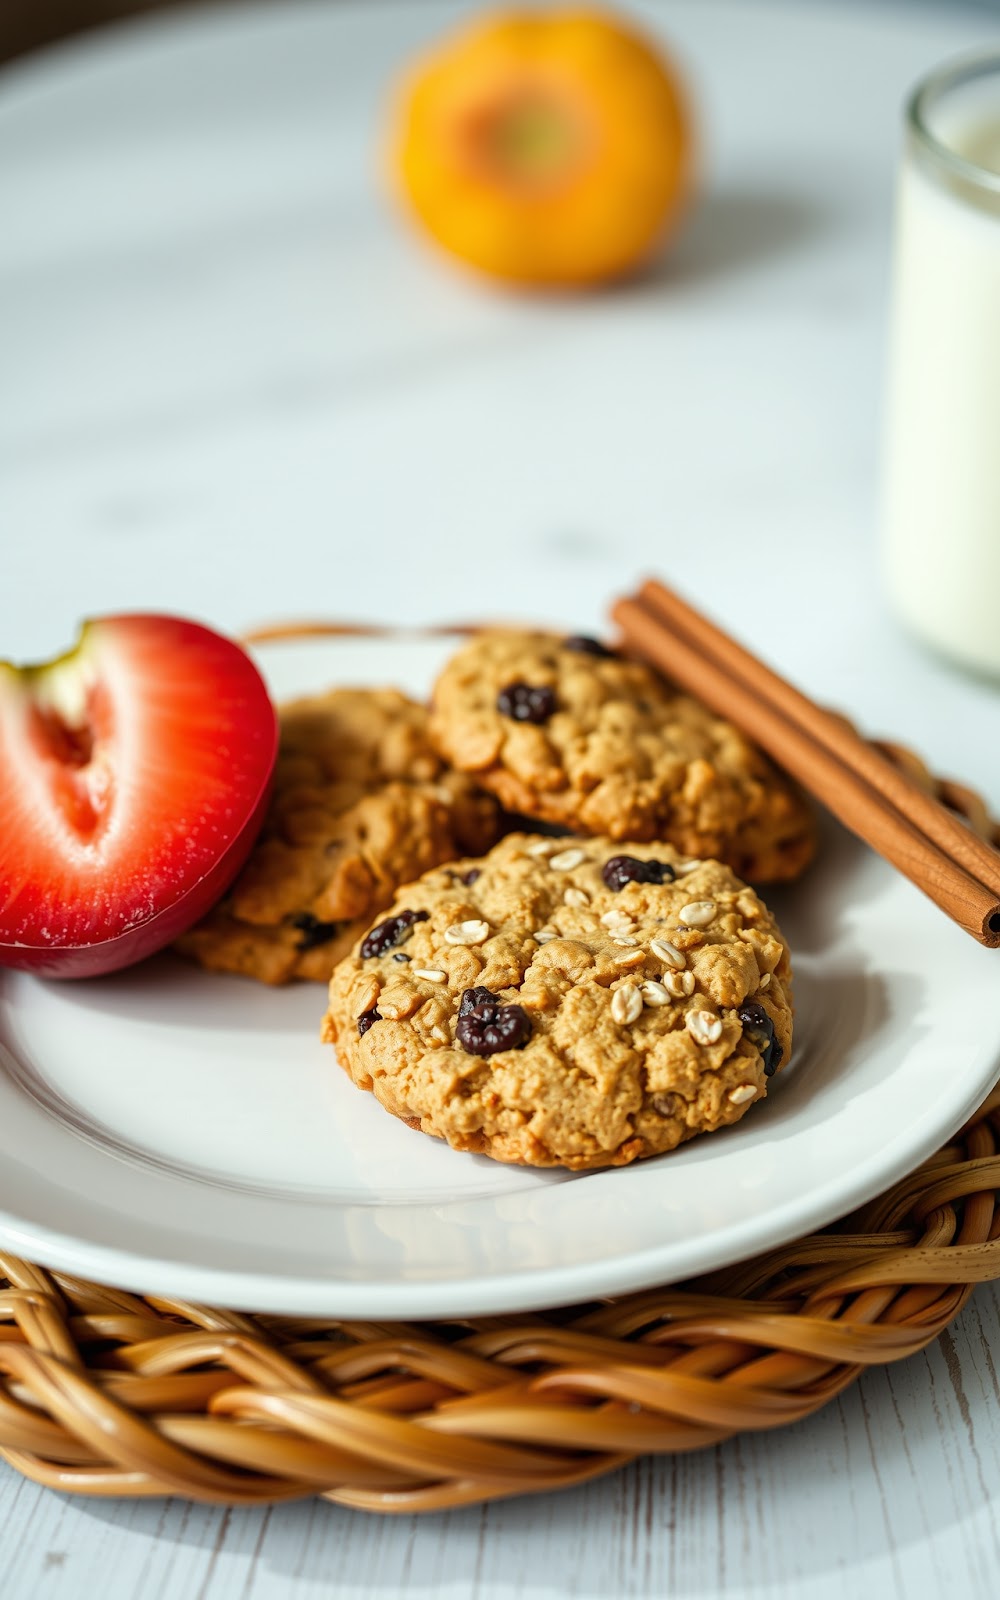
111 955
220 684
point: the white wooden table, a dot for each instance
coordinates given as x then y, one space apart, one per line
231 385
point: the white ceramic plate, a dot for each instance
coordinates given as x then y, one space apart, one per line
188 1135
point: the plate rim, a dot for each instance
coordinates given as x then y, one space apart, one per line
303 1296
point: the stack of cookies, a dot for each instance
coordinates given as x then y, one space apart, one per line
531 901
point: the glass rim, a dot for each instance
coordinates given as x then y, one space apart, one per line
936 83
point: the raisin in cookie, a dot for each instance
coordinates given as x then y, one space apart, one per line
361 803
567 1002
565 731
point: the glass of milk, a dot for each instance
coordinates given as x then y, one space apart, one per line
941 514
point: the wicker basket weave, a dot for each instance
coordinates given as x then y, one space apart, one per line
106 1393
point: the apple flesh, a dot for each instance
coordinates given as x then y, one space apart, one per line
136 771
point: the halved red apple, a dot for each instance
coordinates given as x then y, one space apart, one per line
135 773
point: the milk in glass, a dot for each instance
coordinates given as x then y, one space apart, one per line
942 462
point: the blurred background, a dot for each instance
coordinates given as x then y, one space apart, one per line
236 382
27 24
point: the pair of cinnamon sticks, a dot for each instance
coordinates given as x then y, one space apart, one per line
853 779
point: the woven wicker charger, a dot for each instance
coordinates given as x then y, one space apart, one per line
103 1392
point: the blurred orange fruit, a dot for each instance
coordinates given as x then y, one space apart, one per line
546 147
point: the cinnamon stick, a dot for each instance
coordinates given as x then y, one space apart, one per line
928 814
888 811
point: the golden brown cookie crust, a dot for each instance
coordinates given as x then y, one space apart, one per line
622 754
361 803
635 1042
